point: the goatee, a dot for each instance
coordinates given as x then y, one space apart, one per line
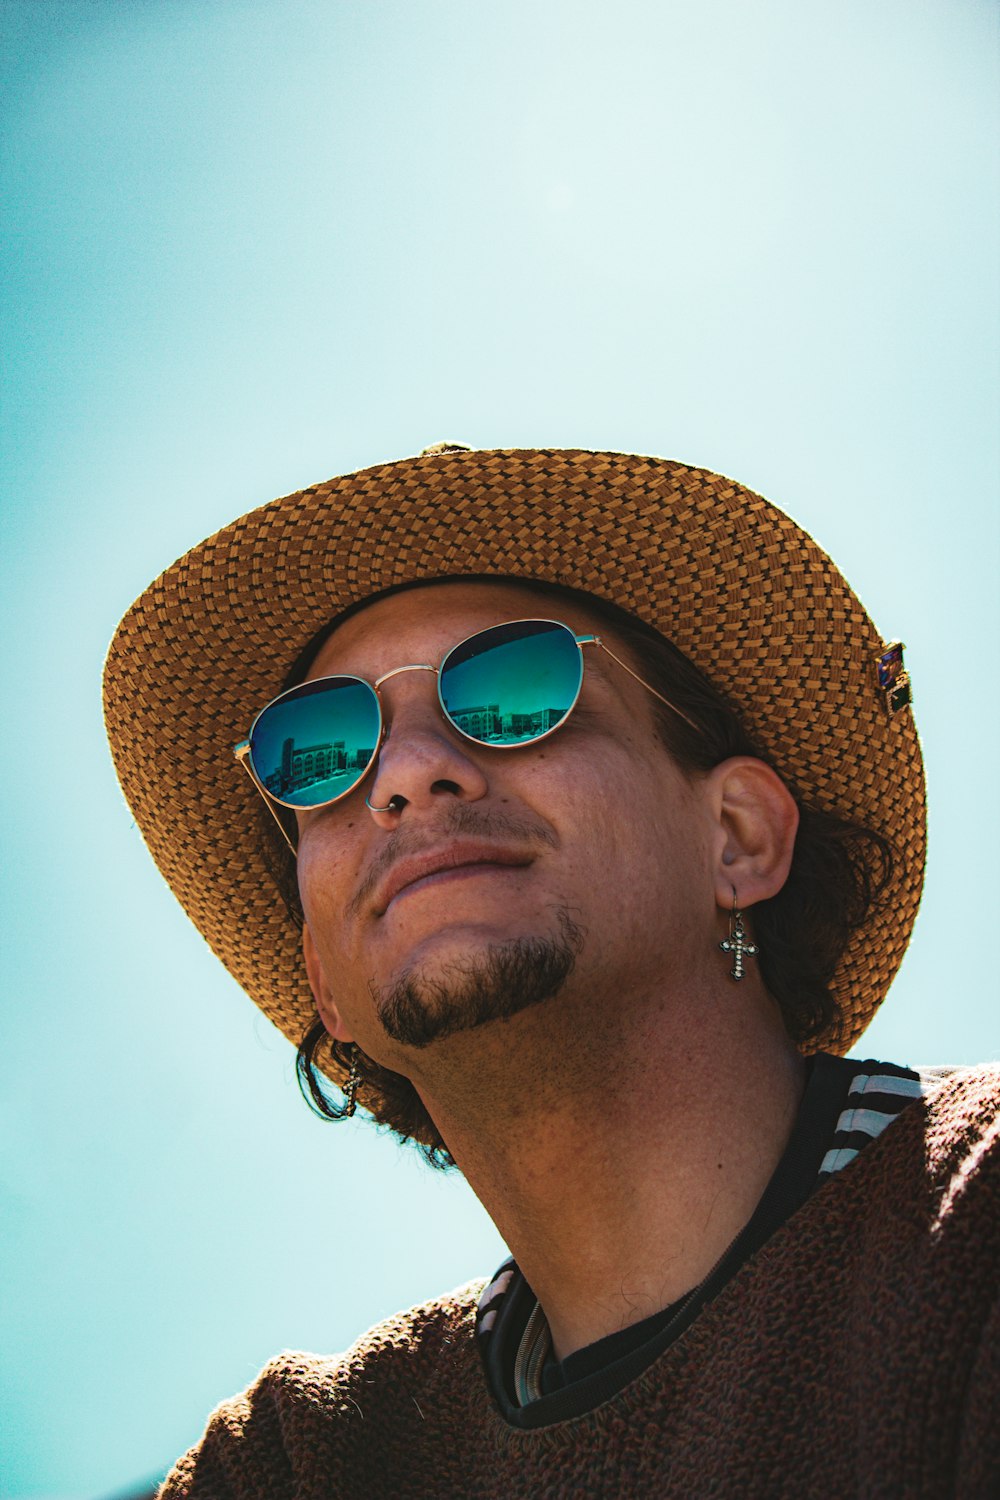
493 985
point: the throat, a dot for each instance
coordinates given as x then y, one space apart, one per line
619 1206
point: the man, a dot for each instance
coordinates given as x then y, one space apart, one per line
583 828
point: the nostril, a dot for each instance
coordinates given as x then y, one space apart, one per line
447 786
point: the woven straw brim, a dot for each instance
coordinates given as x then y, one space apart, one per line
739 587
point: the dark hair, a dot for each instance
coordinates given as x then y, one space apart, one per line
839 870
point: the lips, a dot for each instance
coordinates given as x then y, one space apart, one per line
455 856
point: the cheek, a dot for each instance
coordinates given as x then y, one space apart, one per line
634 827
328 870
601 780
596 804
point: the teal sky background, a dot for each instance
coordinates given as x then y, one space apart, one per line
250 245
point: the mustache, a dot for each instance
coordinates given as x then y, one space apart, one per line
462 819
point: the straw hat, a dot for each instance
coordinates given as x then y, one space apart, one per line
737 585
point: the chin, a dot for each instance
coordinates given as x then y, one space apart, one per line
468 986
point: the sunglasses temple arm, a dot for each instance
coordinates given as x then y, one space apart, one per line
241 756
625 667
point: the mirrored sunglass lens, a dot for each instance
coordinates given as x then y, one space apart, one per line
512 684
316 743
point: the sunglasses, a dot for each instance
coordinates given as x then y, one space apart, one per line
508 686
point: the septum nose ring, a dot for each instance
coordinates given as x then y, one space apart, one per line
391 805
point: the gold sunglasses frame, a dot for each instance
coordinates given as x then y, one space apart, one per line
242 750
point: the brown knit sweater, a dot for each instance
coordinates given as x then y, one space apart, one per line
857 1354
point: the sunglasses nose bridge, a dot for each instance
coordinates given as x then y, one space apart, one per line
385 716
417 666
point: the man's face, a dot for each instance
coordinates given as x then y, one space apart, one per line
568 871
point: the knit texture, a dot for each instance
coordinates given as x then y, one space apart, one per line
855 1355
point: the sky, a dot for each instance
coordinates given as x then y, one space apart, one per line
247 246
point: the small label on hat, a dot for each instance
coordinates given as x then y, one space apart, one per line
893 678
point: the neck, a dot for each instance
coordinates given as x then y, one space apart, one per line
619 1169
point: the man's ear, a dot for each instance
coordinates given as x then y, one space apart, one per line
757 821
328 1012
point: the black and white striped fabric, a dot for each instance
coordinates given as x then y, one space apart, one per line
876 1096
493 1295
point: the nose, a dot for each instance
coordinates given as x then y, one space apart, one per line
422 758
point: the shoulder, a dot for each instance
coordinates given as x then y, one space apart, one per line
936 1167
958 1123
309 1415
409 1346
960 1136
964 1101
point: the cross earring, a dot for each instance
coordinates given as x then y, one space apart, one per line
351 1086
736 943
